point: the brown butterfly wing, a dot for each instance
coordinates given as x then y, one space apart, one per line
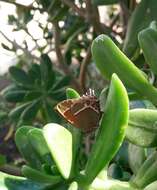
64 108
87 119
86 113
83 113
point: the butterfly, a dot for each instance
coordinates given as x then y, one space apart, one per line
83 112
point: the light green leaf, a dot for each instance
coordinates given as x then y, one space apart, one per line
59 141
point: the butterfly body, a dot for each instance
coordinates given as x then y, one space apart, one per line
83 112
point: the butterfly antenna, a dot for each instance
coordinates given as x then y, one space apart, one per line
90 92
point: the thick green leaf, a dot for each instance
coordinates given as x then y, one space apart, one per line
59 141
40 177
152 186
110 184
30 112
50 114
37 140
137 22
10 182
16 112
20 76
147 173
73 186
76 134
76 139
142 127
112 129
25 148
47 74
14 93
143 14
34 74
64 81
136 157
58 94
148 42
109 59
32 95
71 93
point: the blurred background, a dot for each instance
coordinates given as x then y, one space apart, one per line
45 47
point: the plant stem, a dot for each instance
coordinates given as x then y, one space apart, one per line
83 69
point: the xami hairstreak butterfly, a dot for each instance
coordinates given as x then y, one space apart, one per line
83 112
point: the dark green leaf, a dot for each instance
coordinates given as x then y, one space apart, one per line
142 127
50 114
25 147
31 111
38 142
31 95
13 93
46 71
136 156
40 177
16 112
20 76
64 81
34 74
10 182
58 94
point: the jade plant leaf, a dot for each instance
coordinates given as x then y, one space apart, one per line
59 141
152 186
73 186
147 173
10 182
37 140
142 127
136 156
112 130
40 177
25 147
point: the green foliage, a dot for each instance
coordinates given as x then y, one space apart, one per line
38 89
148 42
10 182
141 17
62 158
141 128
105 52
110 130
62 144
